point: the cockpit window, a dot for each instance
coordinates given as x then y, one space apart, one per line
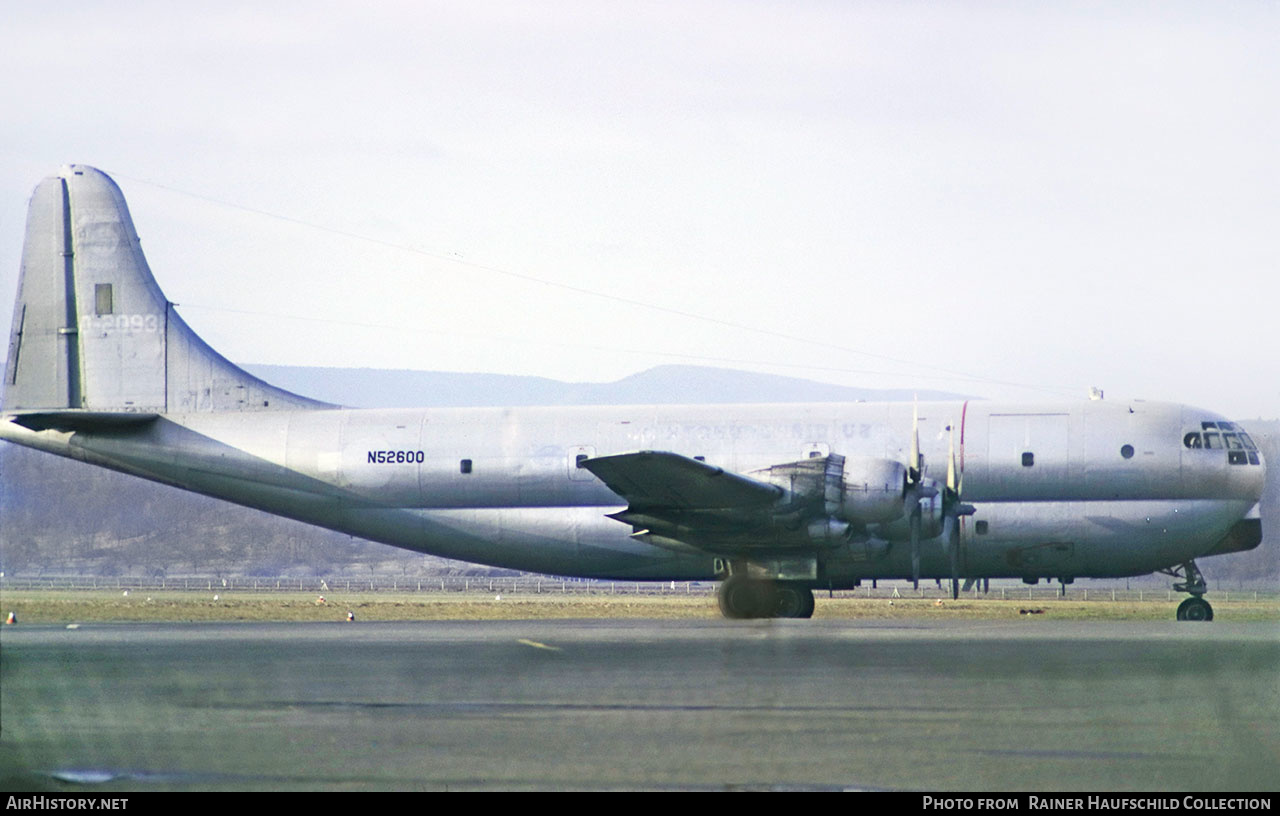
1223 435
1218 426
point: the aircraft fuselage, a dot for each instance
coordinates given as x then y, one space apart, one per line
1059 490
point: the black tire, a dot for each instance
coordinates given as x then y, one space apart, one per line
741 598
793 601
1195 609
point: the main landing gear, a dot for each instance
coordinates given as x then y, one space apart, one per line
742 597
1195 608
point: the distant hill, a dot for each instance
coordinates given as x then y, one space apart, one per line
669 384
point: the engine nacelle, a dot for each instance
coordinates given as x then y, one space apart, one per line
872 490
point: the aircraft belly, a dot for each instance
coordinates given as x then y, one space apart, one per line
574 541
1056 539
1103 538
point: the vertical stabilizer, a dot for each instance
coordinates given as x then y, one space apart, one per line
93 331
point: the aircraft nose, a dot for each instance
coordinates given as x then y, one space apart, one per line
1259 474
1247 478
1220 456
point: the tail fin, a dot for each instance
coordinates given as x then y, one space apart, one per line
93 331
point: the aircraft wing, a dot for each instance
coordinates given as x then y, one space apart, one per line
652 479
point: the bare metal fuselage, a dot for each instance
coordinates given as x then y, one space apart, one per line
502 486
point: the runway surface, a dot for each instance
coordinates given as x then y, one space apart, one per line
1030 705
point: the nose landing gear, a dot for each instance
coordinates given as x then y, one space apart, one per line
1195 608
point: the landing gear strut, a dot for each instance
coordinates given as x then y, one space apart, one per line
742 597
1195 608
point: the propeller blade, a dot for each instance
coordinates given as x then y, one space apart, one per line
955 571
915 490
915 464
953 547
915 546
953 483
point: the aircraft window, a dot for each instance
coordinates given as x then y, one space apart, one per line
1028 459
465 466
1232 442
1228 426
700 458
1127 451
1211 441
1192 440
102 298
1237 457
579 459
1247 441
1253 458
1209 426
981 527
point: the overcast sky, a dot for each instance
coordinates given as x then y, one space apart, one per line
1016 200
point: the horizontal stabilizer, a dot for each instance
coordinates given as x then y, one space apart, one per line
664 479
81 420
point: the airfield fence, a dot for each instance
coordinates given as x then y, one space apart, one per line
535 585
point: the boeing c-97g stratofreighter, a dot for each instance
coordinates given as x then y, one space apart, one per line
772 500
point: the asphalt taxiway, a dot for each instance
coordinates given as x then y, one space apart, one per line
1030 704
